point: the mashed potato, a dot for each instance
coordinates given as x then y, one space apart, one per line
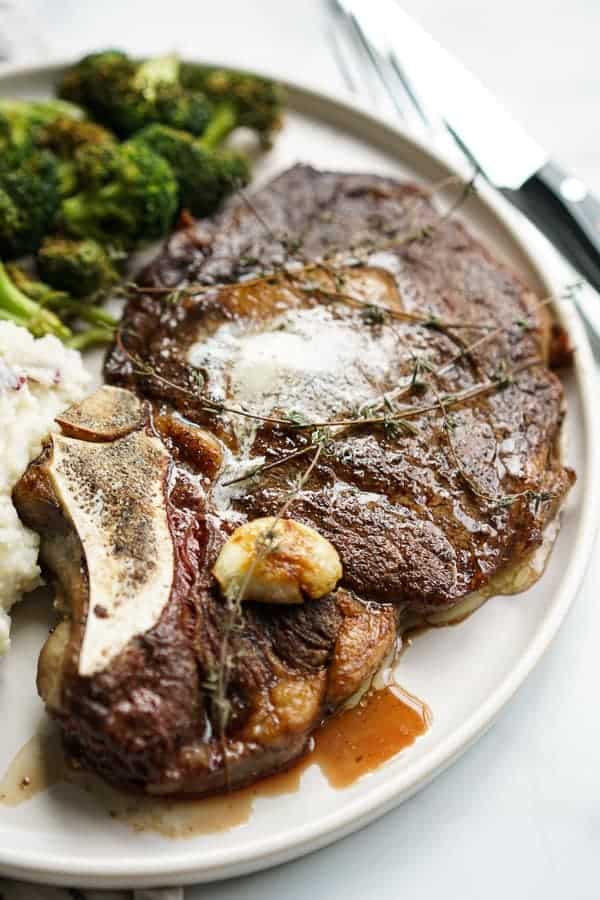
38 379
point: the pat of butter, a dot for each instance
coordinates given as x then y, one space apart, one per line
306 361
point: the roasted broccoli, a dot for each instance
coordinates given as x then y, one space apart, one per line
80 267
58 126
204 178
254 102
30 194
18 307
126 94
42 300
92 164
74 85
23 121
68 139
131 199
64 136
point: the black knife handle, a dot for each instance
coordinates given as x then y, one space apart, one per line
567 213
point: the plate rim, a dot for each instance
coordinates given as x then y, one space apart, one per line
258 854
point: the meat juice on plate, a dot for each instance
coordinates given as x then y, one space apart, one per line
352 744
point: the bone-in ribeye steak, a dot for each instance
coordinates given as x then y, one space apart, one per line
416 515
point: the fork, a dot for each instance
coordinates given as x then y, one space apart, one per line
379 83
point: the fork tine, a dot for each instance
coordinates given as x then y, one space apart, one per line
364 56
429 117
351 55
372 54
377 64
401 94
377 70
331 34
375 52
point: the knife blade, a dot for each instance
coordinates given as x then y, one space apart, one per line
558 203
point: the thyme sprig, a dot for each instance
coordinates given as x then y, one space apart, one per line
393 421
265 467
297 266
266 543
140 367
405 413
379 313
293 423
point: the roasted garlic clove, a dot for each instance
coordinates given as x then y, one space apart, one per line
277 561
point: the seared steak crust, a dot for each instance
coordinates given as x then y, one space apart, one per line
420 519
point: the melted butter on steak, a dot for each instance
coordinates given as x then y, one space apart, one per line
308 360
305 360
113 493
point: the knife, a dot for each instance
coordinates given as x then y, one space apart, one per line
441 87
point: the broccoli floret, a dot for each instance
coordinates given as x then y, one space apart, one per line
74 85
69 140
157 80
92 164
257 103
22 122
204 178
36 114
127 95
29 199
80 267
16 306
41 112
65 136
58 126
130 201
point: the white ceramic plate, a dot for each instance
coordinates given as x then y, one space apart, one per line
466 674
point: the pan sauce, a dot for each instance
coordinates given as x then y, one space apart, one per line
352 744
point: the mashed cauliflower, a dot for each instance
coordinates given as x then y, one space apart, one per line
38 379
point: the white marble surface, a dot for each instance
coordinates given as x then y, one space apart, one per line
519 815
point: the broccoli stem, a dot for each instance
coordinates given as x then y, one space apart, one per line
66 306
220 127
45 298
95 316
11 317
89 338
27 312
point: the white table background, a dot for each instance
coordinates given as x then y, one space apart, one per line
519 815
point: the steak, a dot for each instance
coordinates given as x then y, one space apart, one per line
127 534
440 470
